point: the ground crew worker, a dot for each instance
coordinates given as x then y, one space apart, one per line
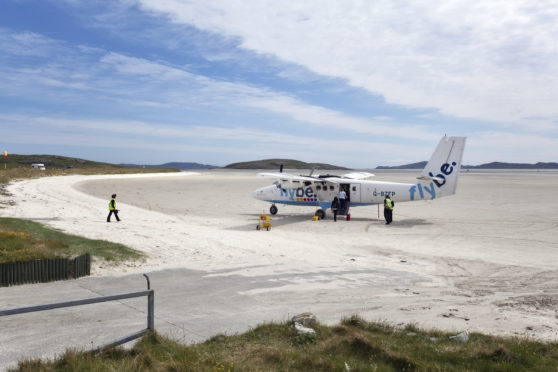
112 209
388 209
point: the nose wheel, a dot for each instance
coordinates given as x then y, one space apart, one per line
320 213
273 209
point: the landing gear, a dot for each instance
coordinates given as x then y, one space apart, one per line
320 213
273 209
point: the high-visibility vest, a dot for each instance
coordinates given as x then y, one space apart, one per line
388 204
112 204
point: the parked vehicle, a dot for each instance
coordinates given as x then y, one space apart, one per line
39 166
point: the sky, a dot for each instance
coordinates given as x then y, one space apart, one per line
356 83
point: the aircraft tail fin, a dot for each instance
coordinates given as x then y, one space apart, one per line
444 165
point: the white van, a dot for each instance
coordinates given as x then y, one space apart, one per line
39 166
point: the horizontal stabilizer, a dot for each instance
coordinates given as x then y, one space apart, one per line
428 178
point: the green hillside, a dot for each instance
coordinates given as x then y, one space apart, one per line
52 161
19 166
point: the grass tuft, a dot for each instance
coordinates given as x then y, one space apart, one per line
22 240
355 344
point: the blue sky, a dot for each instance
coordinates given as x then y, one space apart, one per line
353 83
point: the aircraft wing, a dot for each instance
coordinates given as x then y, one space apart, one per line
357 175
291 181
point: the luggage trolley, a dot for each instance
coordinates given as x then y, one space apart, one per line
264 223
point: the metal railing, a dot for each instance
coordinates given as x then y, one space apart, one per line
150 293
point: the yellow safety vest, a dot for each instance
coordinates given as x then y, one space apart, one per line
388 204
111 205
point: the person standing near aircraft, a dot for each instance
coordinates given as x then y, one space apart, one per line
112 208
335 207
342 200
388 209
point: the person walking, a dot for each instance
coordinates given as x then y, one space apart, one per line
335 207
112 208
388 209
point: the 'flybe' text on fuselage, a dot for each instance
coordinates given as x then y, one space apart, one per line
446 169
299 194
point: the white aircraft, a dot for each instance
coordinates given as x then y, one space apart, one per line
438 179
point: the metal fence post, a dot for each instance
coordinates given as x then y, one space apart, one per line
151 311
150 306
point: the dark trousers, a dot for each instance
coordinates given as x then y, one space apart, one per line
342 206
335 214
388 215
115 215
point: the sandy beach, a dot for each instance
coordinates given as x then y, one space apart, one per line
483 260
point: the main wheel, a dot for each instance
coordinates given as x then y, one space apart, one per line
258 227
273 209
320 213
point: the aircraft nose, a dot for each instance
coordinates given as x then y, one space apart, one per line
257 193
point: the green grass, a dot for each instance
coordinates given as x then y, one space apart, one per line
361 345
22 240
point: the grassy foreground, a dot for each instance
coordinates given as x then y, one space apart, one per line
22 240
353 345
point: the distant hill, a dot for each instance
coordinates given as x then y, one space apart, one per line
419 165
500 165
53 161
276 163
493 165
174 165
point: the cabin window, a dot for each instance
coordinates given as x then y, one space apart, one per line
331 188
318 187
354 188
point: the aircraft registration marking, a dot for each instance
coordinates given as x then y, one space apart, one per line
383 193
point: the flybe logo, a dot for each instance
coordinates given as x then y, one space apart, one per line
299 194
446 169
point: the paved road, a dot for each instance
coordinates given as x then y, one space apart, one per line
190 306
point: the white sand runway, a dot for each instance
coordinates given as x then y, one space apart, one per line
484 260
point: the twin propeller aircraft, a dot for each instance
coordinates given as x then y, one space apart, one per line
438 179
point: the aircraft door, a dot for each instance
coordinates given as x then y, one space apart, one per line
355 193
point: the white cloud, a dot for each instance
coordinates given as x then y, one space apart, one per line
27 44
326 118
157 84
490 60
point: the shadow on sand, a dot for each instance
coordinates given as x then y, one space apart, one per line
276 221
288 219
406 223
